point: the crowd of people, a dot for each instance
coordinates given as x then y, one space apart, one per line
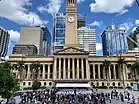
71 96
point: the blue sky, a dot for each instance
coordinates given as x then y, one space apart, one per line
15 14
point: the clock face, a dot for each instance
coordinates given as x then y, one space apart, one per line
71 19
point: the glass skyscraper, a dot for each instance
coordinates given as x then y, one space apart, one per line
114 41
4 41
59 32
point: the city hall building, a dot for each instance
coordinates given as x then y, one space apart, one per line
72 65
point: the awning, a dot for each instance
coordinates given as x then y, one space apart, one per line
76 85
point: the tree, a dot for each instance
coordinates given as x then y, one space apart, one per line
7 81
36 85
20 68
135 68
106 65
121 62
35 69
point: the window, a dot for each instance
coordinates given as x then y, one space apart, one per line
44 83
24 83
50 83
29 83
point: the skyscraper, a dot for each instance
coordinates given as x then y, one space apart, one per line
32 38
114 41
87 39
59 31
4 41
131 39
81 21
46 40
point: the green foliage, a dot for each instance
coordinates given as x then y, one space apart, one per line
121 61
36 85
7 81
135 66
20 67
35 69
106 63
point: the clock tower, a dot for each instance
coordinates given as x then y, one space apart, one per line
71 24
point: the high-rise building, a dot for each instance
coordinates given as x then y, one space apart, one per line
46 40
31 36
4 41
114 41
136 34
81 21
58 31
131 40
25 49
87 39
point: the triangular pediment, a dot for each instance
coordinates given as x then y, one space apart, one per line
71 50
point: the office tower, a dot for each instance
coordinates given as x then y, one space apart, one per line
81 21
87 39
58 32
136 35
131 40
25 49
31 36
114 41
4 41
46 40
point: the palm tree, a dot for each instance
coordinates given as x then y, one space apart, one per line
106 65
35 69
20 68
121 62
135 67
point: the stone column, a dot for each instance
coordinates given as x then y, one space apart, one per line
94 73
82 69
109 73
48 71
104 73
87 70
43 71
55 70
59 68
98 71
64 69
68 68
78 68
114 71
28 73
73 70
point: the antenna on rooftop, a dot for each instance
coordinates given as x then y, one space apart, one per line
33 21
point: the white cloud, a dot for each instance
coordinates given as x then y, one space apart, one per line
137 22
78 1
14 36
96 23
15 10
98 46
111 6
127 26
51 7
14 39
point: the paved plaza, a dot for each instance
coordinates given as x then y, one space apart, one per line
113 101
